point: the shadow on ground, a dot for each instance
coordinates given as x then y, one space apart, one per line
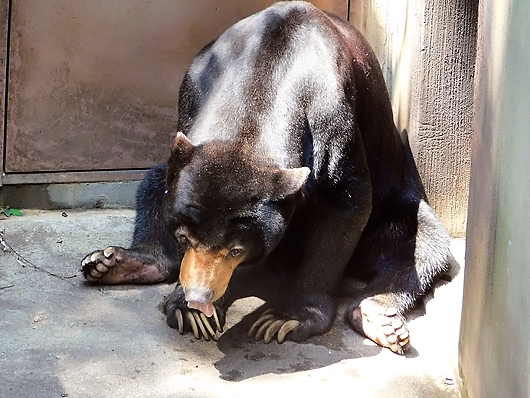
245 358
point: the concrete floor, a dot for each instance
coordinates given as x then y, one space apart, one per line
63 338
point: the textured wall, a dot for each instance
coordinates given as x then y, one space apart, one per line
427 51
495 333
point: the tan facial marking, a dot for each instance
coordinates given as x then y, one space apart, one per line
208 269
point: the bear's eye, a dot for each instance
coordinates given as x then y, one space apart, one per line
181 239
236 252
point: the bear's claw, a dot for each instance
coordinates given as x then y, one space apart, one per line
185 319
268 325
199 323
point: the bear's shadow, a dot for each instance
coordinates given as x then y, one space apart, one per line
245 358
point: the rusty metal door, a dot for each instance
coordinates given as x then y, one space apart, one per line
93 85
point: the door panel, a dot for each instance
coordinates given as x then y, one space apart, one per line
4 19
93 85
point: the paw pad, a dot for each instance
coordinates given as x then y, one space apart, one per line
386 327
98 263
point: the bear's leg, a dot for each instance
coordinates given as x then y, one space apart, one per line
309 308
405 253
153 256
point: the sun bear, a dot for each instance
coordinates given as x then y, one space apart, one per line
286 175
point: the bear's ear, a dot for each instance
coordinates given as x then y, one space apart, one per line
289 181
182 148
181 154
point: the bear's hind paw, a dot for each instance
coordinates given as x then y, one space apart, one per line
385 327
116 265
97 264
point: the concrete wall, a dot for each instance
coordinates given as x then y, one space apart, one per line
427 51
495 333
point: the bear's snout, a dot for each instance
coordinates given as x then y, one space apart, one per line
201 299
198 294
204 274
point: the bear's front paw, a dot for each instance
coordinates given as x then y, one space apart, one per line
385 326
311 316
185 319
268 325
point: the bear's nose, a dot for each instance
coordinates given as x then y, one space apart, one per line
198 294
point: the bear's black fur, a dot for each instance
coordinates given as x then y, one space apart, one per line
290 168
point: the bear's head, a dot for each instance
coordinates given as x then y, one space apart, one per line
225 206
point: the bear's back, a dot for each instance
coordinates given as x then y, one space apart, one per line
297 84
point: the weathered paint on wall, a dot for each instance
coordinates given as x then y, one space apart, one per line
495 333
427 52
